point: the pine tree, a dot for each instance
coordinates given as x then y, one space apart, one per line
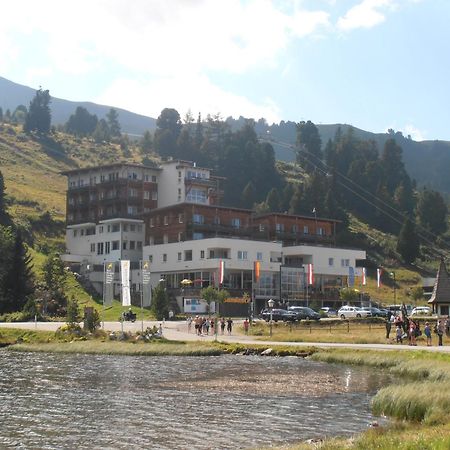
408 242
4 216
273 200
112 119
160 302
309 145
38 117
1 114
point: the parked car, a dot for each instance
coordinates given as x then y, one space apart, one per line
304 313
329 312
353 311
376 312
279 314
421 311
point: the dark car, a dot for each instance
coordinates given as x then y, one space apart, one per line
279 314
376 312
304 313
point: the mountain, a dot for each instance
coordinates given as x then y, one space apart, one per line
13 94
427 161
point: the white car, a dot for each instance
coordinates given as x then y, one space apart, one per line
421 311
353 311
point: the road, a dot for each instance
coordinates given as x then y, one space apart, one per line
178 331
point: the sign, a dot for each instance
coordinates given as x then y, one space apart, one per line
146 287
108 292
237 300
125 278
197 306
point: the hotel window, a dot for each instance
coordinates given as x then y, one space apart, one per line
107 247
236 222
132 210
180 236
146 195
331 261
115 228
124 245
154 195
180 218
196 196
165 238
305 229
75 232
259 256
166 220
99 248
132 227
115 245
92 248
198 218
180 256
279 227
139 245
197 236
125 227
188 255
202 254
320 231
242 254
153 178
150 258
345 262
152 222
100 229
164 257
132 245
295 228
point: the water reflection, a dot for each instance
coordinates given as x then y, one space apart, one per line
52 401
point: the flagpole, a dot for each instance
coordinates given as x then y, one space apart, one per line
142 297
103 295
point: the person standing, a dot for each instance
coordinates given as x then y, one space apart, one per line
388 325
399 334
229 325
189 324
427 332
440 331
222 325
246 325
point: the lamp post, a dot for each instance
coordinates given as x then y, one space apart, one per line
270 303
395 287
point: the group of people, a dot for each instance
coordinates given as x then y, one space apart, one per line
203 325
407 328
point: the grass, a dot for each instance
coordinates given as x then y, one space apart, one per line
12 335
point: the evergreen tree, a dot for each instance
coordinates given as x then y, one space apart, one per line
81 123
18 283
295 206
101 132
408 242
248 195
1 114
7 117
55 279
146 142
432 211
273 200
19 114
38 117
160 302
73 313
198 138
6 257
112 119
309 145
4 216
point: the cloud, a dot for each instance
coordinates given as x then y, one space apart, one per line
415 133
196 93
364 15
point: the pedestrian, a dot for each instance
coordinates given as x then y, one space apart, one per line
211 323
440 331
427 332
189 323
160 330
206 325
412 332
229 325
222 325
399 334
388 326
246 324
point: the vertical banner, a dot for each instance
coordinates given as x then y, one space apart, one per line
109 283
125 279
310 274
221 271
146 288
351 277
256 270
364 281
379 272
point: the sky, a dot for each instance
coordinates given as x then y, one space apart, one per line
375 64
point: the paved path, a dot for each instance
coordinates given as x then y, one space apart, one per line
178 331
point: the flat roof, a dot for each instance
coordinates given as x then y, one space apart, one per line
183 204
108 166
295 216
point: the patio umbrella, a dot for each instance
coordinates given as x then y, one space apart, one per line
185 282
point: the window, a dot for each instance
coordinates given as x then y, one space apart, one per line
202 254
154 195
100 229
331 261
92 248
259 256
279 227
188 255
179 256
124 245
166 220
115 228
295 228
125 227
132 210
242 254
139 245
146 195
320 231
107 247
132 227
164 257
197 236
150 258
132 192
180 236
132 245
305 229
236 222
152 222
75 232
115 245
262 227
139 228
197 218
99 248
153 178
180 218
345 262
196 196
216 220
165 238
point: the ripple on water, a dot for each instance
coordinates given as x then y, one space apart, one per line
53 401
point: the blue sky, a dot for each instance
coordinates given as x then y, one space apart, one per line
375 64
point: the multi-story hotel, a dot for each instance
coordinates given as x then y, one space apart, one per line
171 216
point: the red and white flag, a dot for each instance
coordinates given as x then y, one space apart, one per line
310 274
364 276
221 271
379 272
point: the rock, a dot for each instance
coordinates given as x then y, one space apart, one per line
267 352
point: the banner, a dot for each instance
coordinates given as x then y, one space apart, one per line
379 272
125 278
108 289
364 281
146 287
310 274
256 270
221 271
351 277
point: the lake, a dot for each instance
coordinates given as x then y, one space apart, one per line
58 401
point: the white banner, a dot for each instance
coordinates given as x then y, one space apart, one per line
125 278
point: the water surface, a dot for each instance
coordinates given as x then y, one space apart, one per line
57 401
